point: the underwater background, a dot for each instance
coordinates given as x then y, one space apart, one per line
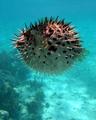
28 95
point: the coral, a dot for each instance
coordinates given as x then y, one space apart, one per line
4 115
50 46
32 100
12 69
9 100
13 97
35 106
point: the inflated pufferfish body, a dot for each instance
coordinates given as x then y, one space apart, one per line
49 46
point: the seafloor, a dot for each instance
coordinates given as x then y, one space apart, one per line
28 95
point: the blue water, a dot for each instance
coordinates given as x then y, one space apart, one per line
71 96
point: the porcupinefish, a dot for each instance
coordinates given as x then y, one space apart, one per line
50 45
